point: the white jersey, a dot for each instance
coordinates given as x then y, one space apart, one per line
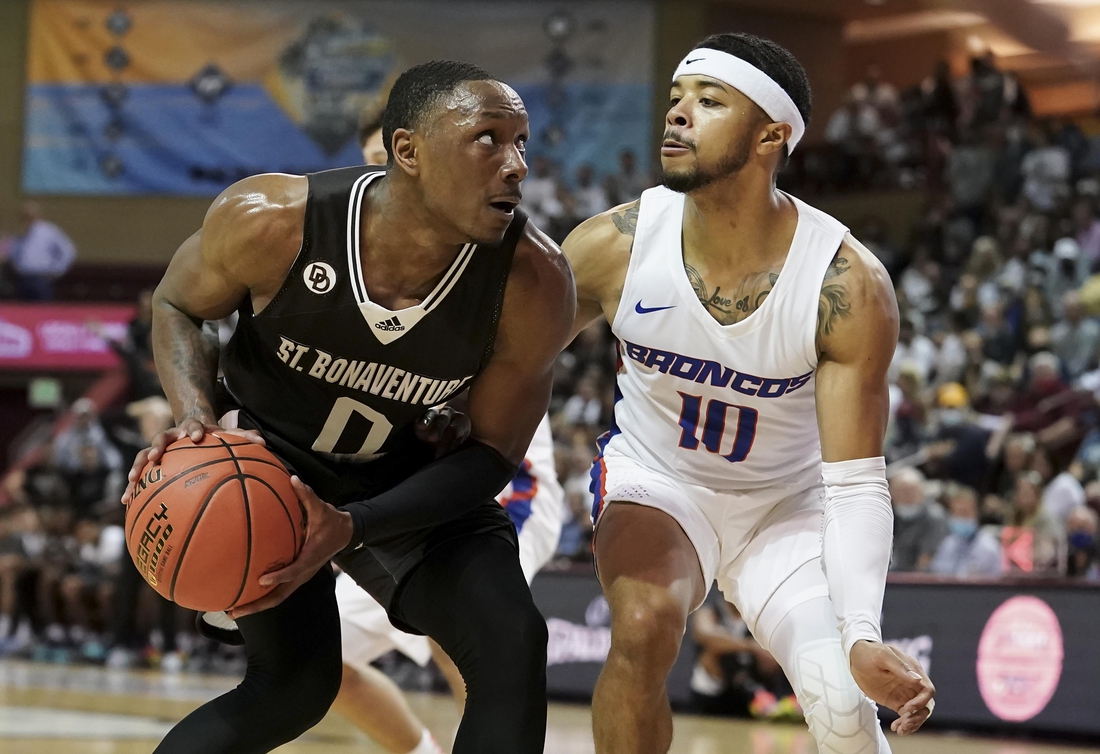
727 407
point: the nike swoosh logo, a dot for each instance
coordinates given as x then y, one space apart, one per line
643 310
689 62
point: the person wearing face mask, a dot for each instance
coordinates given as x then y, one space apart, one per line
958 448
967 550
919 523
1084 551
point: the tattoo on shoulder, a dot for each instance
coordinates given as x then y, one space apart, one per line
627 220
833 303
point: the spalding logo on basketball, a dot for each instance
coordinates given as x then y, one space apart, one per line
319 277
204 524
1020 658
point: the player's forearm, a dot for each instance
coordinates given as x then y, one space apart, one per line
186 361
441 491
857 539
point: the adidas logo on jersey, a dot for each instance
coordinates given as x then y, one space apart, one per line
393 324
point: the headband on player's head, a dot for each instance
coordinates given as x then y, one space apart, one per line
750 81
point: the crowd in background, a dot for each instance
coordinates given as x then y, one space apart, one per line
993 445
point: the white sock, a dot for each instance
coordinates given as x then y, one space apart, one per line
427 745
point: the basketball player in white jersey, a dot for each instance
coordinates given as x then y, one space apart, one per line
535 502
755 336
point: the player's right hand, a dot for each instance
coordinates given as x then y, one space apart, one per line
193 429
889 676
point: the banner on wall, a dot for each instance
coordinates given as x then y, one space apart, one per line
61 336
185 97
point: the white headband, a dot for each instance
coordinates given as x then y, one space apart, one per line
750 81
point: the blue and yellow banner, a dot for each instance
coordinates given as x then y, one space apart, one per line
185 96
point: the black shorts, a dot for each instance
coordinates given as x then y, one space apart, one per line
382 569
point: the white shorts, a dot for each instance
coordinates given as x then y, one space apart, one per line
534 500
749 543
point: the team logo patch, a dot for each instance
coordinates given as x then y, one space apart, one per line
319 277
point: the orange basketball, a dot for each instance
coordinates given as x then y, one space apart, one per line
206 522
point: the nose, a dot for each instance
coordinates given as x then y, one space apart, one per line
515 166
678 115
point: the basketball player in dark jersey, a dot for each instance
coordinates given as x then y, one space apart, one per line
367 295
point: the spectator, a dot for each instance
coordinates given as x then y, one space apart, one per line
1083 558
93 485
88 588
1046 172
970 170
629 183
999 342
958 448
540 195
136 351
919 524
913 349
1019 450
1087 228
941 107
1076 339
1065 493
585 406
41 255
1066 270
968 550
68 452
733 674
1027 514
591 197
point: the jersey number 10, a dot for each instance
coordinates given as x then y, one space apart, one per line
714 427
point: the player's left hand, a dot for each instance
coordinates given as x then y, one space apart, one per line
328 531
445 427
890 677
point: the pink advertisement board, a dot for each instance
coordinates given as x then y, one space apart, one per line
61 336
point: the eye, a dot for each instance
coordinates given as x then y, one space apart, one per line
485 137
673 102
521 143
707 102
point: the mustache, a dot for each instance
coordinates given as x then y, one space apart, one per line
674 135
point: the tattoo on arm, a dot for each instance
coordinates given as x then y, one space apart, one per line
191 369
833 303
626 221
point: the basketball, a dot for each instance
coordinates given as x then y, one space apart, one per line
205 523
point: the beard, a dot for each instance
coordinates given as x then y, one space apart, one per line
697 177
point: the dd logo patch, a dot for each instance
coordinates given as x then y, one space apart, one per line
319 277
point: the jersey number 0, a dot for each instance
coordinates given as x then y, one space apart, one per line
354 429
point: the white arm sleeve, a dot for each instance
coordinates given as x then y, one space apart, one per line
857 538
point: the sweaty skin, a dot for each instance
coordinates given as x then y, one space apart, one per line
460 185
737 230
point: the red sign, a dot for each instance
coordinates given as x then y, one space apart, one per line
61 336
1020 658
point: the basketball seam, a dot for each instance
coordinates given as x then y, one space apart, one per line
187 471
167 483
247 520
286 510
191 533
206 447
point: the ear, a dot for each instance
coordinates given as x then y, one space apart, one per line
773 137
405 157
